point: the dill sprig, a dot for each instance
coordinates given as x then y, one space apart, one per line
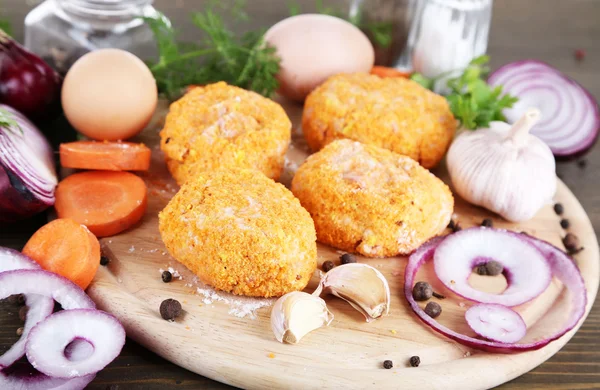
8 121
246 62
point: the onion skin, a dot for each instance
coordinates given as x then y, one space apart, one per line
562 267
27 83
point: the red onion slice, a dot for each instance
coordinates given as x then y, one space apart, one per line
21 376
62 290
526 270
47 346
570 115
39 307
496 322
562 268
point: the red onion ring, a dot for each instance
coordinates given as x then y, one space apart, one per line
562 268
39 307
496 322
21 376
570 114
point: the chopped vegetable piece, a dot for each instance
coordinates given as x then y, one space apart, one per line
384 71
67 248
106 202
496 322
108 156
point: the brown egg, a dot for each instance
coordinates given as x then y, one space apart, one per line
314 47
109 94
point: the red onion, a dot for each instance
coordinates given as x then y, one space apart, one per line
526 269
496 322
570 121
22 376
562 268
27 83
27 174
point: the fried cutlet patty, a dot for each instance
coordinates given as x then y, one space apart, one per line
222 126
370 200
241 232
392 113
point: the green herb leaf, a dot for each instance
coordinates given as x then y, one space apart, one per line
473 102
8 121
245 62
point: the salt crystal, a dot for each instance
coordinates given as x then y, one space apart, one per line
131 249
467 354
238 306
461 304
161 270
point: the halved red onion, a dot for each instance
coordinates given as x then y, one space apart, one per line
562 268
570 121
526 270
39 307
496 322
21 376
62 290
47 345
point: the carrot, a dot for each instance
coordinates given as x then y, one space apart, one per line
106 202
384 71
109 156
67 248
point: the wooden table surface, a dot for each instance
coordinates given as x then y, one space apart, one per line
549 30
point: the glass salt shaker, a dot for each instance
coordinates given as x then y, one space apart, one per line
445 35
61 31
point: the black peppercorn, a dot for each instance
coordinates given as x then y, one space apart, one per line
422 291
481 269
487 222
571 242
327 266
170 309
415 361
104 260
347 258
559 209
564 223
451 224
23 313
494 268
167 276
433 309
16 299
388 364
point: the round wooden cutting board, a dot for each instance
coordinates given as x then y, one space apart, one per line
213 340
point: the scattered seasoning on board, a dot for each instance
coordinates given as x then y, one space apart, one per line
433 309
571 243
438 296
347 258
170 309
271 355
327 266
487 222
19 331
559 209
167 276
393 331
387 364
493 268
415 361
422 291
564 223
23 313
104 261
582 163
579 54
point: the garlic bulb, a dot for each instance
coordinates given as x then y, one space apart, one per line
296 314
504 168
361 285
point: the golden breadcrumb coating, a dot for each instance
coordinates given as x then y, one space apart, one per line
219 126
241 232
392 113
370 200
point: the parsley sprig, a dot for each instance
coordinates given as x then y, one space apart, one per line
246 62
473 102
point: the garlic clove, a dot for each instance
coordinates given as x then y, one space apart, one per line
296 314
361 285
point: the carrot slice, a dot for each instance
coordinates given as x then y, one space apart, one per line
384 71
106 202
67 248
109 156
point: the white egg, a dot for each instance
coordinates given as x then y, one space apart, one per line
313 47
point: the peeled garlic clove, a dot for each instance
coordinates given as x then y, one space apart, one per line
362 286
297 313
